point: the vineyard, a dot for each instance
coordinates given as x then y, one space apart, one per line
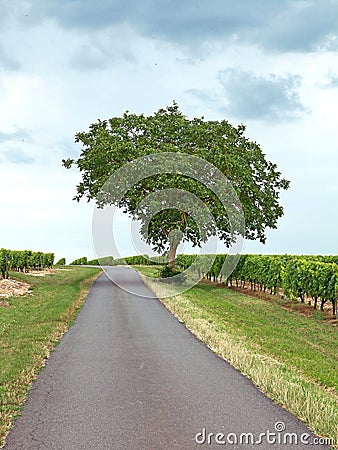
307 277
314 278
139 260
23 261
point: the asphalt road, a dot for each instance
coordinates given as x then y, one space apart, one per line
129 376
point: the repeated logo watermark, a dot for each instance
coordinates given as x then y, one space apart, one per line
134 175
279 436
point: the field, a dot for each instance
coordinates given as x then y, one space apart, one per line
30 326
290 357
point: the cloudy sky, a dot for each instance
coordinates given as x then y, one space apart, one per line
270 64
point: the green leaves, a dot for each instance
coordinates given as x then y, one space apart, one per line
61 262
315 277
24 260
79 261
109 144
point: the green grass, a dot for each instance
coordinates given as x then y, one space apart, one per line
303 343
149 271
292 358
30 326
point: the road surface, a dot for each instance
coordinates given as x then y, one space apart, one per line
128 375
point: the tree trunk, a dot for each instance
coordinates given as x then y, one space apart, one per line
172 253
175 237
315 303
6 267
322 303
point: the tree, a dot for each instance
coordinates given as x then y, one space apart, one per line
109 144
61 262
79 262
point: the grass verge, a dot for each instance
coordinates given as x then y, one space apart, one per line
30 326
291 358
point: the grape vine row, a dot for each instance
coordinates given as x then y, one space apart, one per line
23 261
312 277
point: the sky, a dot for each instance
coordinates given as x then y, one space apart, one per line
269 64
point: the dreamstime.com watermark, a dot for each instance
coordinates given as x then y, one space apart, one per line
277 437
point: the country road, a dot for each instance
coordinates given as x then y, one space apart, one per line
129 376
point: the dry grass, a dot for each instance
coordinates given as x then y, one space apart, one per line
311 401
11 287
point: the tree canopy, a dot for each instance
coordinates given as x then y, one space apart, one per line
109 144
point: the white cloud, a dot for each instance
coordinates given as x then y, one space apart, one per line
270 98
62 68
